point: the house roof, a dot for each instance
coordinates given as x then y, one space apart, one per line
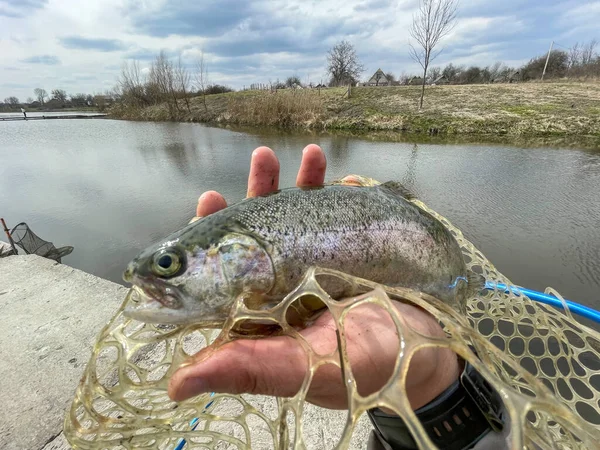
382 78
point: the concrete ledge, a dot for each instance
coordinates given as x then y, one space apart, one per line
51 315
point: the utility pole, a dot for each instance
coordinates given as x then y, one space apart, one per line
547 59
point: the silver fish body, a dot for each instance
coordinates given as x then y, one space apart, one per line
264 246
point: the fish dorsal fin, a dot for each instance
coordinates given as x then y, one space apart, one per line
398 189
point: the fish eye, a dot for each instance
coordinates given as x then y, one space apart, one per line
167 264
165 261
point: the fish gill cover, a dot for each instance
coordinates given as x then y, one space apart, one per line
542 361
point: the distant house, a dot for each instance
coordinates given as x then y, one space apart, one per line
102 100
439 80
509 77
54 104
379 79
514 76
35 104
415 81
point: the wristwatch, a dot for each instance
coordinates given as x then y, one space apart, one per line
455 420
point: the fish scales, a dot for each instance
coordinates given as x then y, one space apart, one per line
371 231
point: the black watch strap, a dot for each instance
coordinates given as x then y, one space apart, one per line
457 419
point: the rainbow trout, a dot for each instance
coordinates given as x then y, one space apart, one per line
264 245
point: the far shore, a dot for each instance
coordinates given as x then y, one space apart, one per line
563 111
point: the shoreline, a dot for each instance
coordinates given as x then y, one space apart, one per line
590 143
492 113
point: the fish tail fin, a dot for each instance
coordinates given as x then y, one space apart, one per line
399 189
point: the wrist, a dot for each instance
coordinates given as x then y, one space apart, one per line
432 369
446 371
457 419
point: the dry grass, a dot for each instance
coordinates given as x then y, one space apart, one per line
515 109
283 109
528 109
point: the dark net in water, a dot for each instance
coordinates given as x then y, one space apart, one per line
31 243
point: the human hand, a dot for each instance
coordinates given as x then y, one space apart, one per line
277 365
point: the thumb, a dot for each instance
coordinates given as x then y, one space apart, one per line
274 366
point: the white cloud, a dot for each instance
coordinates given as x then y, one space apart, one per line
254 41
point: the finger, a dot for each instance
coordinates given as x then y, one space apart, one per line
210 202
273 366
264 172
312 167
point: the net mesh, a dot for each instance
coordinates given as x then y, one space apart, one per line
31 243
543 362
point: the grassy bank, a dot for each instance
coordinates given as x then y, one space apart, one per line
528 109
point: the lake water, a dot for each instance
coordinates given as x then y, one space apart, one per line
109 188
19 115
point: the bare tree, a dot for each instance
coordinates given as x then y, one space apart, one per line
183 81
435 73
202 77
343 64
588 52
432 22
12 101
574 55
131 85
452 72
403 78
100 101
390 76
293 81
40 94
378 76
162 80
60 95
495 71
78 99
29 100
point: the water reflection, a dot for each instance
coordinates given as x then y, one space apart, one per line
337 151
110 188
410 176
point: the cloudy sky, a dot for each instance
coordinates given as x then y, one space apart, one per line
79 45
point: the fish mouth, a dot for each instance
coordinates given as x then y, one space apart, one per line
153 301
148 305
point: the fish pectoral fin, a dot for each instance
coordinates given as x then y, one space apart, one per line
398 189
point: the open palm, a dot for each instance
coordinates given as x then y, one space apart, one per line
278 365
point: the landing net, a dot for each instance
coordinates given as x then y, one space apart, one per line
31 243
545 364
